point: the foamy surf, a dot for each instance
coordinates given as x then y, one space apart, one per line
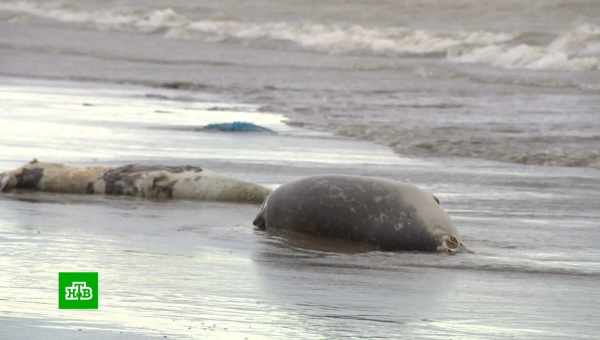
574 50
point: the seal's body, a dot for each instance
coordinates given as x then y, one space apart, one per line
154 182
384 213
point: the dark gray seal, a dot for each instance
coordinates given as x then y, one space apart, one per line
385 213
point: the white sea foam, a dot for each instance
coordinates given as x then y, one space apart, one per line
148 22
574 50
325 38
578 49
350 38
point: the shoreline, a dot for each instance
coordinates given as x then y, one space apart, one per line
358 132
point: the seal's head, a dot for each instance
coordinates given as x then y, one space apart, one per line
447 238
449 244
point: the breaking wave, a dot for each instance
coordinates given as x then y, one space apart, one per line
351 38
578 49
572 51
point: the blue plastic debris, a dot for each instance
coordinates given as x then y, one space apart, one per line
236 127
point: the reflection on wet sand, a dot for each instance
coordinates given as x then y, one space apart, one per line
200 269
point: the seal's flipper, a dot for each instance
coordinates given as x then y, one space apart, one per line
5 180
465 249
260 221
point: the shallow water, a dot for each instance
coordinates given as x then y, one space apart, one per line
200 270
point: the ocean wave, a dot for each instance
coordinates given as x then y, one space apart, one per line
350 38
578 49
160 20
333 38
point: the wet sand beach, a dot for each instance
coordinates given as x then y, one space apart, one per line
189 269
